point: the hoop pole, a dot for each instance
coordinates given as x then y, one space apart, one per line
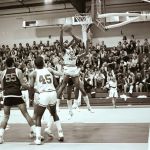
84 34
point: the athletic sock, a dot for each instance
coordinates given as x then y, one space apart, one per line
57 104
33 128
38 133
86 99
58 125
2 131
79 98
50 123
69 103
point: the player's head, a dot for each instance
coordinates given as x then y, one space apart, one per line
39 62
9 62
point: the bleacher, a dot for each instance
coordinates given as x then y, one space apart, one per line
101 99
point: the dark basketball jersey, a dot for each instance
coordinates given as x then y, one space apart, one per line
11 83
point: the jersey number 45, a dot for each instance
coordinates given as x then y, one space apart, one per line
45 79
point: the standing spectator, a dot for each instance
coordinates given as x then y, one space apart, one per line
138 47
146 46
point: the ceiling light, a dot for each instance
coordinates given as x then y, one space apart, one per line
48 1
146 1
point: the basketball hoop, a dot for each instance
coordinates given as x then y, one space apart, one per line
82 19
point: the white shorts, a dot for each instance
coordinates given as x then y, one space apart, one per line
113 92
25 95
71 71
46 98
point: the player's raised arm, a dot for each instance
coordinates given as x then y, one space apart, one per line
54 72
86 49
61 38
32 79
88 41
20 77
75 40
1 81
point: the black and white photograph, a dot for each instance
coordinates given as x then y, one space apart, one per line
75 74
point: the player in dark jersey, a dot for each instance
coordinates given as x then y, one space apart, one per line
12 82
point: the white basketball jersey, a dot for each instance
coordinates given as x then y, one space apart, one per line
69 57
113 84
44 81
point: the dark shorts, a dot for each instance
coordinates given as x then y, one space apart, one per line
12 101
70 82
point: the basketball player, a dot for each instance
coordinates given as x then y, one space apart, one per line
12 82
113 93
70 68
41 79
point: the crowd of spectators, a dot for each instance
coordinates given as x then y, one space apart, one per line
129 62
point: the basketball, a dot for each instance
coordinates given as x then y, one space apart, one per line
67 28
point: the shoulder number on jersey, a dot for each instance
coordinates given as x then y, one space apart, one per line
11 77
44 79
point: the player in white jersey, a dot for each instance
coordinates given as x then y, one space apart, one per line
113 93
70 68
41 80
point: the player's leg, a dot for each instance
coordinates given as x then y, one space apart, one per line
39 115
63 85
77 99
25 113
114 102
53 112
80 86
4 122
60 90
69 100
48 130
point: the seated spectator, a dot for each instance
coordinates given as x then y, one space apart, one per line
88 81
144 69
129 81
99 79
138 82
146 82
120 83
133 64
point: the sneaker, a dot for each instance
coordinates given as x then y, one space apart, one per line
32 135
90 110
79 104
37 142
1 140
48 132
70 114
75 105
60 136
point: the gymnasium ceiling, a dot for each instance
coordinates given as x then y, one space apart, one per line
8 7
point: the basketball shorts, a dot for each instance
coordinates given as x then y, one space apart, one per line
25 95
13 101
71 71
45 98
113 92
